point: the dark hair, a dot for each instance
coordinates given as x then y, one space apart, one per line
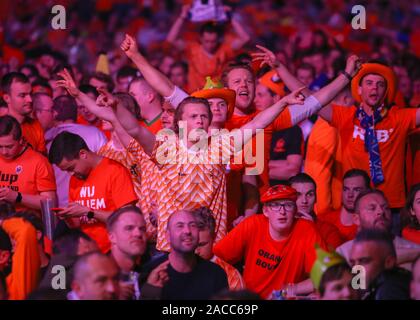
104 78
68 243
115 216
5 243
211 27
407 218
129 103
302 178
9 125
9 78
40 82
205 219
6 209
180 64
232 66
34 70
32 218
66 108
66 145
365 193
190 100
379 236
126 71
333 273
358 173
3 103
87 88
307 66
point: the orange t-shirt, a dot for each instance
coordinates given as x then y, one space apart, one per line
34 134
30 173
202 64
107 188
283 121
323 163
411 234
329 233
153 126
270 264
81 120
391 132
26 262
333 217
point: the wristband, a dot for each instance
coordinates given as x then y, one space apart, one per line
348 76
90 215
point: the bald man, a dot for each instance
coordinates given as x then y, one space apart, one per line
190 277
150 103
96 277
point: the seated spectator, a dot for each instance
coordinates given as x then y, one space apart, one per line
411 215
95 277
355 181
278 249
306 199
374 250
207 234
332 277
372 212
189 276
19 263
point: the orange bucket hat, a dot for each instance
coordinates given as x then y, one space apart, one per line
276 87
379 69
216 90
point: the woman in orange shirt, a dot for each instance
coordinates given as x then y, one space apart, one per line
411 215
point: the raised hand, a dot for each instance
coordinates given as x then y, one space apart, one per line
353 65
129 46
267 57
105 99
295 97
68 83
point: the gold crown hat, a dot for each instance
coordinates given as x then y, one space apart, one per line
215 89
324 260
102 65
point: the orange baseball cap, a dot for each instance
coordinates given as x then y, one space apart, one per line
279 192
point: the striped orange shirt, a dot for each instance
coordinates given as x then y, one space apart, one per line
235 280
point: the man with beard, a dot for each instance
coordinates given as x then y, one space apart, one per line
98 186
189 276
16 90
127 234
355 181
95 278
372 212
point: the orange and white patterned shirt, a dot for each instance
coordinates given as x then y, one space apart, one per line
235 280
191 179
149 184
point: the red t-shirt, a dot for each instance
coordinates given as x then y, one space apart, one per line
270 264
411 234
107 188
347 232
391 133
283 121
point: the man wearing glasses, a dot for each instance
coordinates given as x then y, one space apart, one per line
278 249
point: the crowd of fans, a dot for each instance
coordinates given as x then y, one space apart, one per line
271 155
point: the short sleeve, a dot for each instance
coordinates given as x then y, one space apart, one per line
122 187
44 179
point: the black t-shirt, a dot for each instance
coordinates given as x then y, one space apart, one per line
206 280
393 284
286 142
